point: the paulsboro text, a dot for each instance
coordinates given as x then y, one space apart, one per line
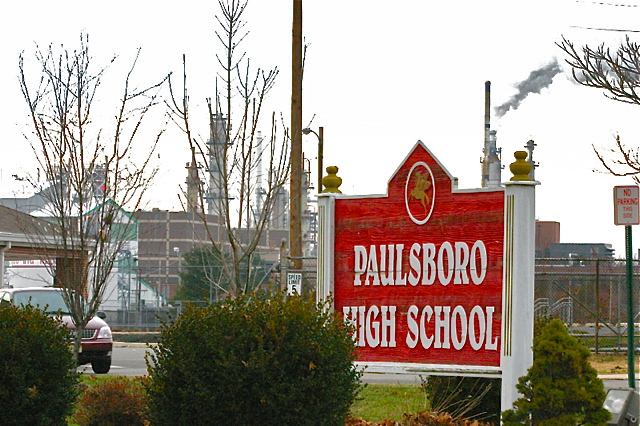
456 263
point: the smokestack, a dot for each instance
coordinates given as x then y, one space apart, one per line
193 185
487 108
259 190
491 163
530 146
487 129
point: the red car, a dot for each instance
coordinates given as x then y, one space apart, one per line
97 341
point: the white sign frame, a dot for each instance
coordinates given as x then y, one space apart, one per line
516 355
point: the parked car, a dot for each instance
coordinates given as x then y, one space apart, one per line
97 340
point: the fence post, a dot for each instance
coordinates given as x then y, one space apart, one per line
630 310
597 306
284 265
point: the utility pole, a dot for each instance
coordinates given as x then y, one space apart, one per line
295 209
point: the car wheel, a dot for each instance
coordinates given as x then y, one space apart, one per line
101 366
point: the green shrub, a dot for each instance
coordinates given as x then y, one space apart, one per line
37 371
539 323
561 387
113 401
469 397
253 360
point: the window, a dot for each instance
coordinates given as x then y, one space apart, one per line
52 301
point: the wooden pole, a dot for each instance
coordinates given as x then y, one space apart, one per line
295 208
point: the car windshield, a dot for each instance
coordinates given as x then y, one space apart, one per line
51 301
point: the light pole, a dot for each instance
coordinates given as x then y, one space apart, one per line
320 136
176 250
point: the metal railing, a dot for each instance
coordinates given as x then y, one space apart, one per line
590 296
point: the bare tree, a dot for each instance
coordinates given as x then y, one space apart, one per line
234 153
621 160
618 74
91 169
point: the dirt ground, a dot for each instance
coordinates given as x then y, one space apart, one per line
611 363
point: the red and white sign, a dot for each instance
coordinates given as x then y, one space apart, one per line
625 205
31 263
419 271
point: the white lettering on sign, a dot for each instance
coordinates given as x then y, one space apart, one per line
294 283
455 263
373 326
439 327
433 327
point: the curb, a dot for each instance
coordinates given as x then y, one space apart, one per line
132 345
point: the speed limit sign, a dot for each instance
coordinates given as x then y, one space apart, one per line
294 283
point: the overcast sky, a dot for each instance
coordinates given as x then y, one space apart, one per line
379 76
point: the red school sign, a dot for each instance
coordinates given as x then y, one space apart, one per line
419 271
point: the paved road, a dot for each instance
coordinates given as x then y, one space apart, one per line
125 361
128 360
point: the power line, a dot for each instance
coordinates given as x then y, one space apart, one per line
601 3
607 4
605 29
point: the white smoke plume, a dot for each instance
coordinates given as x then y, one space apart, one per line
537 80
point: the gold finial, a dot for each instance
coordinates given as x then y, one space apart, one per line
332 181
520 168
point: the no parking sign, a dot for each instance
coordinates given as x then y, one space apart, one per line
625 205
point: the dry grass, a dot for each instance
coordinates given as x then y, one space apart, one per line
610 363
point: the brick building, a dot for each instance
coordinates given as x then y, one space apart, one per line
165 236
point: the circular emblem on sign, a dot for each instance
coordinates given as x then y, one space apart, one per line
419 193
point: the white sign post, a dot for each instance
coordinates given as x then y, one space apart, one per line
626 205
294 283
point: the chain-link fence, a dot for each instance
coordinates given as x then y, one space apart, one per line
307 275
143 318
148 319
590 296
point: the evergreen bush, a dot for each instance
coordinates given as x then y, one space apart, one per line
561 387
472 397
37 371
254 360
